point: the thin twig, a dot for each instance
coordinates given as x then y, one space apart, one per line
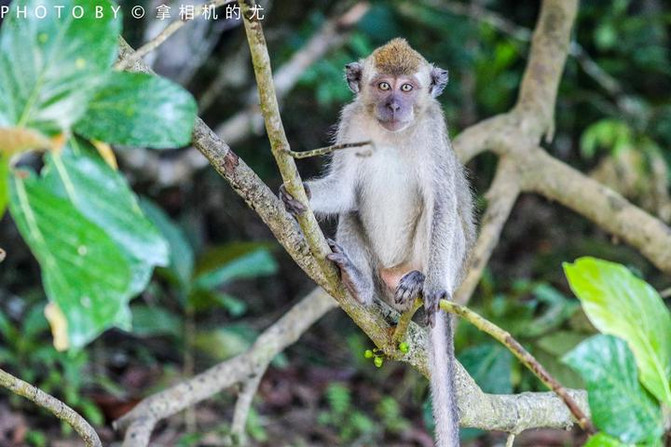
523 356
279 144
53 405
244 404
404 321
510 440
166 32
326 150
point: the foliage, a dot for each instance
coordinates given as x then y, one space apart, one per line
57 373
350 422
79 217
631 311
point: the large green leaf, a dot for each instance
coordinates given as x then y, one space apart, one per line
138 109
83 270
49 67
621 304
104 197
620 405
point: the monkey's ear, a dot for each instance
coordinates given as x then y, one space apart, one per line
353 74
439 78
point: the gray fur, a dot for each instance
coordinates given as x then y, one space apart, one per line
408 204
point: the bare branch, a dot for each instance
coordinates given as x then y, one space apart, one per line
243 405
52 405
279 145
140 421
523 356
327 150
168 31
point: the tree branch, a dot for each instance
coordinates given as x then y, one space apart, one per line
52 405
501 198
140 421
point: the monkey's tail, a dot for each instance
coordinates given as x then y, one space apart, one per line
443 395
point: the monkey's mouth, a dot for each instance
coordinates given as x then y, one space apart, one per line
393 125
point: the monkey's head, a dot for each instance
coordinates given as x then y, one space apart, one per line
395 83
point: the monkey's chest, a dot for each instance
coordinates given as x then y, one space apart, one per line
390 206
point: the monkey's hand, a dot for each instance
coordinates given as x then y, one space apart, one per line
432 297
293 206
408 289
350 276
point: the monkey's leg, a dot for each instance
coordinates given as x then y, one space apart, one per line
352 258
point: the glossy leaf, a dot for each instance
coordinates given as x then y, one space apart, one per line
620 406
49 67
83 270
138 109
104 197
619 303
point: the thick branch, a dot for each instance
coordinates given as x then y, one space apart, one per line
52 405
541 173
549 49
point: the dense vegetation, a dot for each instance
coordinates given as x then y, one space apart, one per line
173 273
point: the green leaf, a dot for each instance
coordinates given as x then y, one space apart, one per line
154 321
138 109
181 254
4 184
84 272
104 197
620 406
603 440
490 365
49 67
619 303
250 265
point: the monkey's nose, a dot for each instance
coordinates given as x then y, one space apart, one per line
394 106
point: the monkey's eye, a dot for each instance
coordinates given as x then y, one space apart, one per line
384 86
406 87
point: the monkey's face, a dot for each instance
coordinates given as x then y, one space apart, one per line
393 100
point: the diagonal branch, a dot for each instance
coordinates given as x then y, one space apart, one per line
278 140
501 198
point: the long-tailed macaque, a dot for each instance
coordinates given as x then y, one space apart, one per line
405 211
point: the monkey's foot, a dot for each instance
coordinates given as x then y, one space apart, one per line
431 304
408 289
293 206
349 274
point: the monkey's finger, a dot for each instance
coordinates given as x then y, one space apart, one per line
339 258
335 247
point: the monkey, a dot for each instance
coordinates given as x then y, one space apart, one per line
405 211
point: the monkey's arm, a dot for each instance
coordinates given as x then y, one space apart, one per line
335 193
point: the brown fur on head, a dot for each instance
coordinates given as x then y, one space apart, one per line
397 58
